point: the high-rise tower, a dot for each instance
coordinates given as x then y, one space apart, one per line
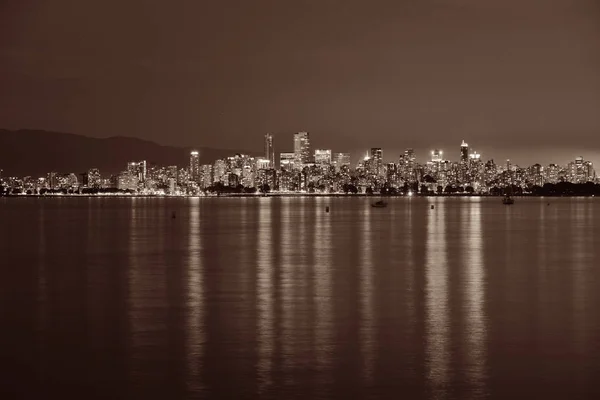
269 153
464 152
377 160
301 148
194 166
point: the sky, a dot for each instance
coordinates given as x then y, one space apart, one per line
516 79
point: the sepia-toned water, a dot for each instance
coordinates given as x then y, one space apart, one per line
274 298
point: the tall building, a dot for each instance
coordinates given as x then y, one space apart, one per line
581 171
194 166
94 179
219 171
464 152
171 172
322 157
206 178
551 173
137 169
269 153
301 149
376 161
407 164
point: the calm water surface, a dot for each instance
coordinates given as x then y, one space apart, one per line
274 298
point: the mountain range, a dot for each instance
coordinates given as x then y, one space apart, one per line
37 152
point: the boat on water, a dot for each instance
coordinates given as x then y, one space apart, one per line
379 204
508 200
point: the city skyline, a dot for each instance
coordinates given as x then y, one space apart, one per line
311 170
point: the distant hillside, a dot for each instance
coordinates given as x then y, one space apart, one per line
36 152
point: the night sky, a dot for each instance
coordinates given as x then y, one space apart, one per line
518 78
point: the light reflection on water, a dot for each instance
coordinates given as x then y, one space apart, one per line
475 348
323 300
195 300
367 334
275 298
437 308
265 298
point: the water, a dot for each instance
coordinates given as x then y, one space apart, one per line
275 298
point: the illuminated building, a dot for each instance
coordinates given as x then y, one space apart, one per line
376 161
194 166
464 152
269 153
287 160
138 169
580 171
433 167
406 166
94 179
323 157
392 174
535 175
266 176
289 180
301 149
172 185
551 173
219 171
490 172
340 160
52 180
206 176
263 163
127 181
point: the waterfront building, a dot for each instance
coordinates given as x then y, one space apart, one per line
219 171
376 161
194 165
137 169
269 151
94 179
464 152
206 176
301 149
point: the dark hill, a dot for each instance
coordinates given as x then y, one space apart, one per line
37 152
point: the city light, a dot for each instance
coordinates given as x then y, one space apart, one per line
321 171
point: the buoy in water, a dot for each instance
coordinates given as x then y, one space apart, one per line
327 209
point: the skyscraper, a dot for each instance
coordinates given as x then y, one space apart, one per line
301 148
269 153
408 162
464 152
377 161
137 169
194 166
94 179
